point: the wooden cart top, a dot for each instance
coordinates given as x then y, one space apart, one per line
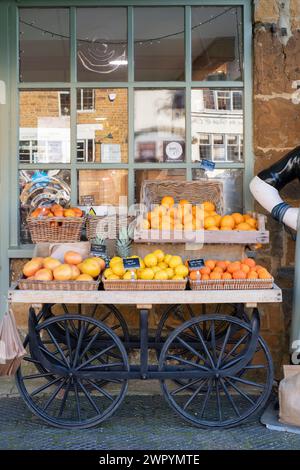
147 298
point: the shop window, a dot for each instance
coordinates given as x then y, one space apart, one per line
102 44
159 43
85 150
41 30
85 99
102 187
42 123
163 124
142 175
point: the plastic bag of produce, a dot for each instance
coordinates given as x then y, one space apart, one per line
289 393
11 347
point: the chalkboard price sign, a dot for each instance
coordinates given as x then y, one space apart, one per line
195 264
131 263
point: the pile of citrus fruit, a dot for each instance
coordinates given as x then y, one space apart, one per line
74 268
156 265
225 270
56 210
185 216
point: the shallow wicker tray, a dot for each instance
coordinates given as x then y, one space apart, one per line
65 229
232 284
139 284
31 284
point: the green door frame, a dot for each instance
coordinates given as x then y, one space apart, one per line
9 247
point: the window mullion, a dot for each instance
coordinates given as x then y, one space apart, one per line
73 110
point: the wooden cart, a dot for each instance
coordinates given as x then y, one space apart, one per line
214 368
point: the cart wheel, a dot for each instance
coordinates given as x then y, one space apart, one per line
64 386
216 399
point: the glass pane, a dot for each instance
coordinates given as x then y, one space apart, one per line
102 125
217 43
159 43
233 186
141 175
159 125
217 124
102 187
102 44
38 187
44 133
44 45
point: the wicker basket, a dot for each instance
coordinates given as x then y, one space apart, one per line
232 284
138 284
55 229
109 227
196 192
31 284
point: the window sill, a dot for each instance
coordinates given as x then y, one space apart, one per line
22 251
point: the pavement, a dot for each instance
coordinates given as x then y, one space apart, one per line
143 421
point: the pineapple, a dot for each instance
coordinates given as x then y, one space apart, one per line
123 243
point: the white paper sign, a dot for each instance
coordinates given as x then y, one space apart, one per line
110 153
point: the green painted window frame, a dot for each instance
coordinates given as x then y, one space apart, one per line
9 166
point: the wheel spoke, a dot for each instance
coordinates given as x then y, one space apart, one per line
229 398
54 394
200 336
104 351
196 353
79 343
52 356
213 340
246 382
241 340
43 387
88 396
243 394
189 401
36 376
101 366
101 390
77 399
183 387
207 395
224 346
68 340
64 358
88 345
218 399
64 398
185 361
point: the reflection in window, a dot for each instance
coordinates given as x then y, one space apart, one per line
159 125
41 187
102 125
232 186
217 43
102 187
217 125
142 175
44 133
44 29
159 43
102 44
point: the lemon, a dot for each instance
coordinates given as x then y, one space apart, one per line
113 276
150 260
107 272
167 258
156 269
161 275
181 270
159 255
118 268
142 264
163 265
170 272
115 259
130 275
175 261
147 274
177 277
139 273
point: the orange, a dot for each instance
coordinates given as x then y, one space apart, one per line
243 226
197 212
258 267
214 228
227 263
264 274
226 276
227 221
208 206
173 212
209 222
247 216
222 265
217 218
51 263
36 212
87 277
218 269
238 218
210 263
75 272
226 227
184 202
205 270
72 257
252 222
233 267
43 275
249 261
194 275
78 212
63 273
205 277
69 213
167 201
239 275
215 276
245 268
252 275
31 267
